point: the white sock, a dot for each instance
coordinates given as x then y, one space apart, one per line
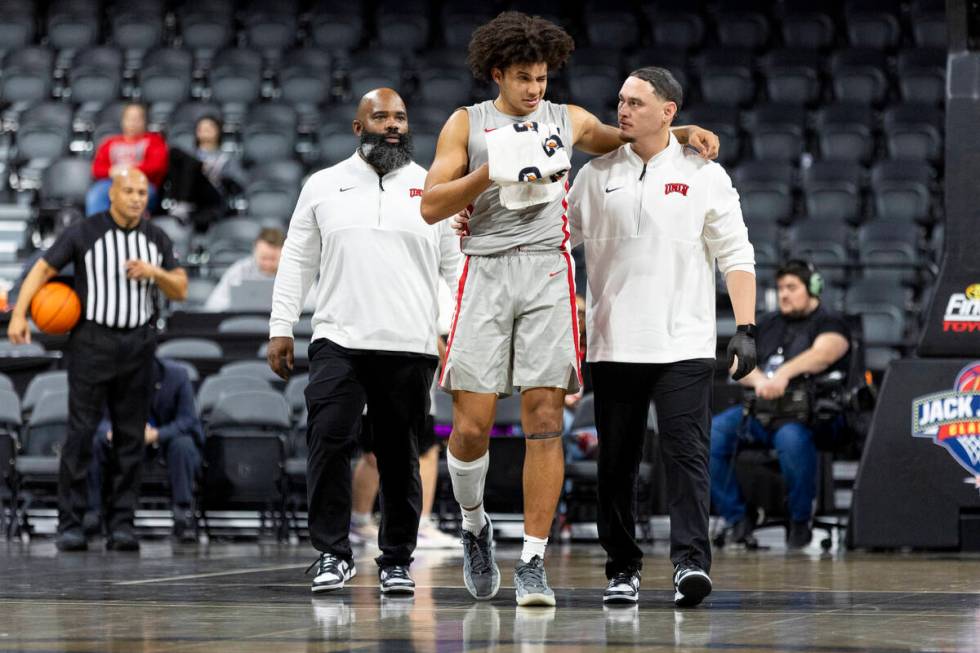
468 479
360 518
533 546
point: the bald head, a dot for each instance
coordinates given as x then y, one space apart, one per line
380 111
129 194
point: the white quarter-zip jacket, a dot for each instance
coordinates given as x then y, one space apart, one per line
379 262
652 234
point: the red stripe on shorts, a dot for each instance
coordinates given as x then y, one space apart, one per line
571 297
459 302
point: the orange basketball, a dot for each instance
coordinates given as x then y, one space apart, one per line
55 308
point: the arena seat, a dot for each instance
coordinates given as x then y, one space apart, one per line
804 26
727 77
826 242
792 76
832 189
858 75
54 381
214 387
95 75
913 131
900 190
845 131
777 131
679 30
872 23
166 76
27 75
922 75
190 348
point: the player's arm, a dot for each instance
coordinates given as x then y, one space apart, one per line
593 137
18 330
450 186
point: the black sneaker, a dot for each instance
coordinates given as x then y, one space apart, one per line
185 526
480 573
122 540
623 587
691 585
331 572
72 540
395 579
799 535
742 531
92 523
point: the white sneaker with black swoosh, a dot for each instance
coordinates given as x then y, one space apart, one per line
331 572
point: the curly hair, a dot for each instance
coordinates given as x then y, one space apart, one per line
516 38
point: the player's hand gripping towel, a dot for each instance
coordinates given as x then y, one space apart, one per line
528 160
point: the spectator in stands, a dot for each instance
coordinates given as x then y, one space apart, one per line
111 349
262 264
174 433
134 147
201 181
802 338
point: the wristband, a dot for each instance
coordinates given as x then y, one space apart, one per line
747 329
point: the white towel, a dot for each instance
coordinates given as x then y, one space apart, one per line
528 160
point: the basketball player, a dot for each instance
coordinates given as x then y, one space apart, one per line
120 261
515 322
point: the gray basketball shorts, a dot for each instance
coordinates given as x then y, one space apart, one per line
515 324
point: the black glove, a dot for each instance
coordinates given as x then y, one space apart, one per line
742 345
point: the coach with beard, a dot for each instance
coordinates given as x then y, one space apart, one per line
374 333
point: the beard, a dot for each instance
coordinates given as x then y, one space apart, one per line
384 156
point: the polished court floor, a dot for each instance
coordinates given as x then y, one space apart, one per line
254 597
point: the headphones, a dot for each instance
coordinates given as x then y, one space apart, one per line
812 279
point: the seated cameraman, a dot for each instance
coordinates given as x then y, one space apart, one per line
803 338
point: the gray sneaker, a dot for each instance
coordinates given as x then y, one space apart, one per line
480 573
531 583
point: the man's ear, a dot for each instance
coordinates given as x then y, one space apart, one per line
670 112
357 127
497 75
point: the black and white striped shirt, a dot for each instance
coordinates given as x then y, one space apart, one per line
99 248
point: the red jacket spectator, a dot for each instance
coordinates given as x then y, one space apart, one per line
148 152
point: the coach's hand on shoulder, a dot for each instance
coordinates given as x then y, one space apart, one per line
18 331
280 356
461 223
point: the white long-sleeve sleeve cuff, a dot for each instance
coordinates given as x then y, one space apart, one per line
280 329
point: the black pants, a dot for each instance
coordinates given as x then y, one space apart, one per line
682 394
396 387
107 368
183 459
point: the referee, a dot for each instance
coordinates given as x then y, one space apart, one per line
655 220
120 261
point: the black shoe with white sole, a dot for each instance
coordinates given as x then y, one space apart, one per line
691 585
623 587
395 579
331 572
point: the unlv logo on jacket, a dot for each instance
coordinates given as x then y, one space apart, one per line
414 192
675 188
